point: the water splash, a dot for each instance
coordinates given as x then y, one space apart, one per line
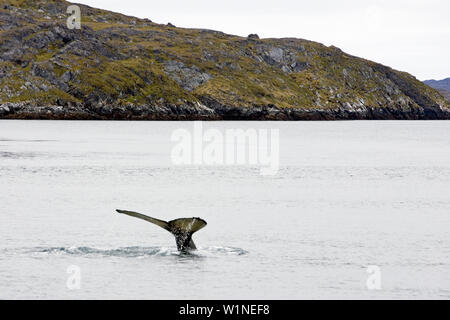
125 252
128 252
221 251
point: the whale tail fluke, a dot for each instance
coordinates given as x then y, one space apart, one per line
182 229
161 223
191 225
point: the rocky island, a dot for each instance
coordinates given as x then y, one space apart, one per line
118 67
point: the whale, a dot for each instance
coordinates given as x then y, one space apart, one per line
182 228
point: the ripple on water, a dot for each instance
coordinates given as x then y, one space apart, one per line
127 252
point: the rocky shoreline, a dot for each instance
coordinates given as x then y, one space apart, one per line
213 111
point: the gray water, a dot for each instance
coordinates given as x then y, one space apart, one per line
348 195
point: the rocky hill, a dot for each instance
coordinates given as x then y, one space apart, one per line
121 67
443 86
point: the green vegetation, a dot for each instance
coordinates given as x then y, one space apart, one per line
123 60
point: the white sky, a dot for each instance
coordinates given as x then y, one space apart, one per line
408 35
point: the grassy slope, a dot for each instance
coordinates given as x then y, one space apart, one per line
241 72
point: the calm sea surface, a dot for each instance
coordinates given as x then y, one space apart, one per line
348 195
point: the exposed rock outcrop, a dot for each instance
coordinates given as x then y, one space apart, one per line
187 78
121 67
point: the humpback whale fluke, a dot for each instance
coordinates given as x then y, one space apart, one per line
182 229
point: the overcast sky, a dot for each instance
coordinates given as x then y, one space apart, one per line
408 35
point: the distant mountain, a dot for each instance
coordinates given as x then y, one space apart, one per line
443 86
121 67
439 84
